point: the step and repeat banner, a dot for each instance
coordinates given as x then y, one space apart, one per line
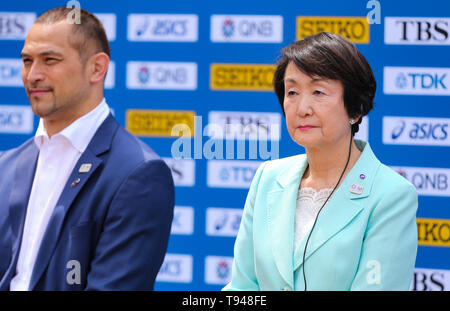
193 79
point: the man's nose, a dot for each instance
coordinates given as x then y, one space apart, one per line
32 73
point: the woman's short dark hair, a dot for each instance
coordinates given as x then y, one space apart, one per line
331 56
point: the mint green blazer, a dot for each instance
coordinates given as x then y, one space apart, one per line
364 239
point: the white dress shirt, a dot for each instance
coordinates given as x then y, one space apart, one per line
57 158
309 202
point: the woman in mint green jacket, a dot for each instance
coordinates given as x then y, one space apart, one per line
334 218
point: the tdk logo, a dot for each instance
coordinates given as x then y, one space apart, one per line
163 27
247 28
416 81
15 26
416 131
11 72
231 173
417 30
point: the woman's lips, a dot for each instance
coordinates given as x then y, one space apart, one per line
306 127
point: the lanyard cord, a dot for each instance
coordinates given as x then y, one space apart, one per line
306 245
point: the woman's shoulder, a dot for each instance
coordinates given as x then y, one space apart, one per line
392 180
284 163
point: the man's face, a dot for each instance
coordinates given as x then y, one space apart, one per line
53 74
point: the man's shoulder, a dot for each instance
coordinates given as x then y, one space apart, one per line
12 154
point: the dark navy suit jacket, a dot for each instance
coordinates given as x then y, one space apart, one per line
115 222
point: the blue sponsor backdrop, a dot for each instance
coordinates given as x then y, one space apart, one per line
201 246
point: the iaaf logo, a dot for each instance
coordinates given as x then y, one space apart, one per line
247 28
416 81
163 27
416 131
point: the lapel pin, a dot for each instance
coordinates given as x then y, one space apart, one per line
357 189
85 168
75 182
362 176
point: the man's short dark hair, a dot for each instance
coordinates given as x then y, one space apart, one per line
87 34
331 56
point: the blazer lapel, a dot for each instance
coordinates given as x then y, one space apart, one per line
281 203
99 144
344 205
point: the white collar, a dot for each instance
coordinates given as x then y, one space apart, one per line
80 132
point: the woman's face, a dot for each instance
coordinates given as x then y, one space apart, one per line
314 108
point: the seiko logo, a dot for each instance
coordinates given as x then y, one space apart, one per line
417 30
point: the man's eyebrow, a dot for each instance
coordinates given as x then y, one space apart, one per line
45 53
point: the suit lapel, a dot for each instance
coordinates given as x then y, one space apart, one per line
99 144
281 203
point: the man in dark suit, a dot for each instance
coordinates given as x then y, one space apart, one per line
84 205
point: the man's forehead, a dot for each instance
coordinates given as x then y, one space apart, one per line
48 37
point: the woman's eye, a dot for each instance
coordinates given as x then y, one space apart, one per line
318 92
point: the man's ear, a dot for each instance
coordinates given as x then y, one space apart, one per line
98 67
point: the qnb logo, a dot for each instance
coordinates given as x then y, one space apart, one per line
228 28
218 269
416 131
427 180
222 270
162 75
247 28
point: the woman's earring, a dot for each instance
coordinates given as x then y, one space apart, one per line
352 121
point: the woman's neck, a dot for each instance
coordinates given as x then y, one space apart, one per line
325 165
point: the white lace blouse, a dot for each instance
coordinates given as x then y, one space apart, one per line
309 202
